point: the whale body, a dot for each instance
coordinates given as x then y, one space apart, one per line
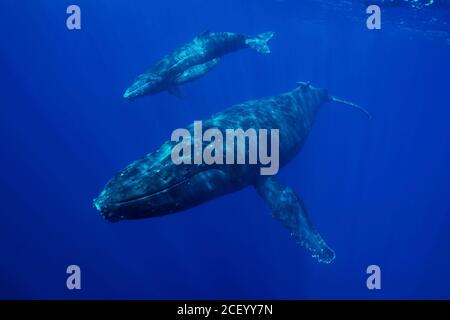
155 186
192 61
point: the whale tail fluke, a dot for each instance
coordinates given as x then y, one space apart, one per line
351 104
259 43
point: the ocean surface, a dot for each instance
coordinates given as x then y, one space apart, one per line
377 190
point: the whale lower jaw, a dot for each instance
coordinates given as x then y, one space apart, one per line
107 209
152 194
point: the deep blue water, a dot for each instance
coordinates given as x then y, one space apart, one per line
378 191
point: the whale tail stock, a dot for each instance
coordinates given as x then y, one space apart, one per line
350 104
259 43
288 208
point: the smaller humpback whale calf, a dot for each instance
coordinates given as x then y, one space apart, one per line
192 61
155 186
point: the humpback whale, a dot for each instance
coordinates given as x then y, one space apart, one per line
155 186
192 61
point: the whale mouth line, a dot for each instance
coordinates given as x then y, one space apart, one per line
147 195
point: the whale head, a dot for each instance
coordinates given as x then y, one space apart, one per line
141 189
145 84
155 186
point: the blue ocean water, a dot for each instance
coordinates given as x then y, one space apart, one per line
378 191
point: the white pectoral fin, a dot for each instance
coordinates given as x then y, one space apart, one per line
196 71
288 208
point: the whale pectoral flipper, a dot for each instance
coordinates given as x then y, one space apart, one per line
288 208
196 71
176 92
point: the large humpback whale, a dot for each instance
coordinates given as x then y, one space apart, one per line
192 61
155 186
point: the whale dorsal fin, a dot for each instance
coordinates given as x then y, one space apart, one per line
288 208
204 34
303 84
